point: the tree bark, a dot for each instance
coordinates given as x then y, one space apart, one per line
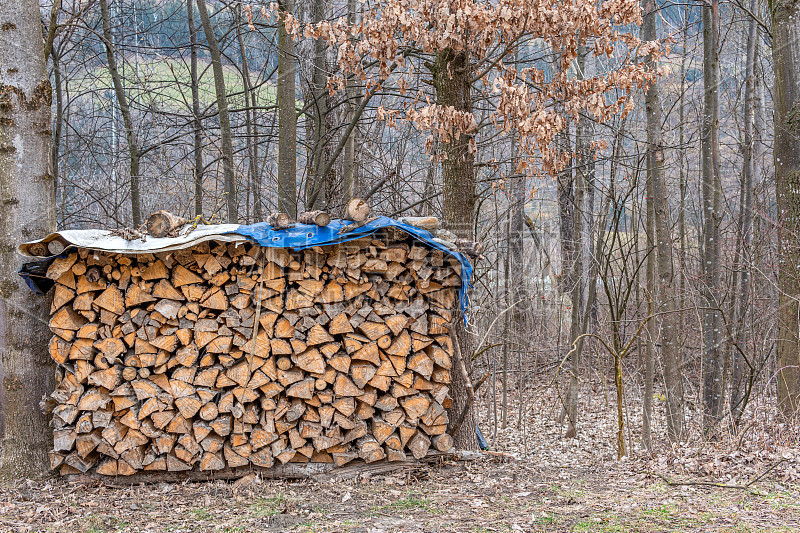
451 77
740 388
665 296
712 218
349 178
122 99
231 196
320 149
253 177
287 118
197 125
786 151
58 126
28 199
583 207
519 289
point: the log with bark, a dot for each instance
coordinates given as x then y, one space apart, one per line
229 355
318 218
163 223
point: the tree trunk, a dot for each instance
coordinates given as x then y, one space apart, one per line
28 199
231 197
122 99
516 243
253 177
321 113
665 295
566 212
712 218
740 389
349 163
58 126
451 76
583 173
652 329
197 126
786 151
287 118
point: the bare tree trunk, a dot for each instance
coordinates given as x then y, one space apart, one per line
579 211
669 331
253 179
566 213
740 390
28 199
231 195
122 99
287 118
321 114
451 77
712 218
786 151
58 127
569 250
682 186
196 125
349 163
652 328
516 243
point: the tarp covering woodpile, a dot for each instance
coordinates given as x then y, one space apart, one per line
239 346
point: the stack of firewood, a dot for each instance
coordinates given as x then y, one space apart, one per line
229 354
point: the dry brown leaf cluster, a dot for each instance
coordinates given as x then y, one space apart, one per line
386 44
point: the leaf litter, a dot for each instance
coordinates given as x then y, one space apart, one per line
541 482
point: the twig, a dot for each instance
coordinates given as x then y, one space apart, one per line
355 225
745 487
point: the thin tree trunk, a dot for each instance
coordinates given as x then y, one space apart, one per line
249 118
516 244
665 295
786 151
321 113
196 125
231 195
28 199
287 118
682 186
712 217
58 127
122 99
652 329
579 211
740 390
349 162
569 255
509 301
566 212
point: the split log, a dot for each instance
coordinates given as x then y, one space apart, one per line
357 210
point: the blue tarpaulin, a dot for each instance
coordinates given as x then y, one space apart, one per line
298 237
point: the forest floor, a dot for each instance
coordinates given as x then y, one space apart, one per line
547 484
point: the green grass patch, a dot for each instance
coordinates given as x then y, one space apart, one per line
271 506
200 514
166 84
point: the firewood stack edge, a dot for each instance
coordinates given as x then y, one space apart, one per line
160 367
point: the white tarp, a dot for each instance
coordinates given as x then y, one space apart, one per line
103 240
